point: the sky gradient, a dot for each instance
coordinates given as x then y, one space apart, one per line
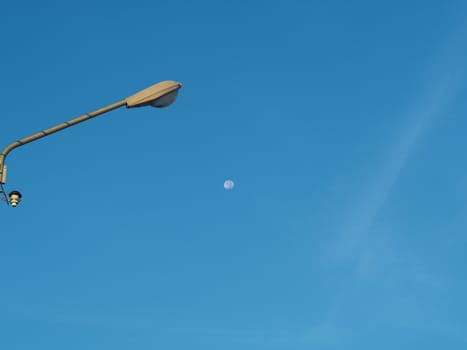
341 123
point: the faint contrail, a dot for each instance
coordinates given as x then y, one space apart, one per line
445 78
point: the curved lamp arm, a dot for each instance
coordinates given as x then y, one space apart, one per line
159 95
49 131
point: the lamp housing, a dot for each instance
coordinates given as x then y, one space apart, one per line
160 95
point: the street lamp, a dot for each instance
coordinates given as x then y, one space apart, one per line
159 95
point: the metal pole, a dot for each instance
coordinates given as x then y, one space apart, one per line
52 130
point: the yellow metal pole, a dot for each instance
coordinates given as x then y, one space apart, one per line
52 130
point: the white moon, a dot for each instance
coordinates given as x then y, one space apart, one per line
229 184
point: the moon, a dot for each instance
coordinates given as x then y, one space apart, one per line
229 184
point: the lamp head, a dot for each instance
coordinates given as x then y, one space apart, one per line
15 198
160 95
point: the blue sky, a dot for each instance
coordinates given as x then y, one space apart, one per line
342 124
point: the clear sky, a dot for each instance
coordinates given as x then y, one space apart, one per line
342 123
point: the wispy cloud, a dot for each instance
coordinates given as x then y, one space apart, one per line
367 253
434 102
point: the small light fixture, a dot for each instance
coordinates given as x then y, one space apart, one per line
15 198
